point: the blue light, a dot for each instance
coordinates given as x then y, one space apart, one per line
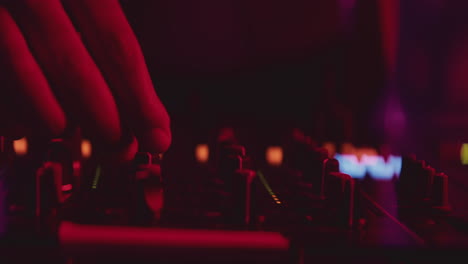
397 162
374 166
349 164
381 170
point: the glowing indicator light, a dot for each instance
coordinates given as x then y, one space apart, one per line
97 175
373 165
202 153
349 164
268 188
274 155
20 146
464 154
362 153
384 170
86 148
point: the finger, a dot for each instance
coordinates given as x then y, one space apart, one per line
115 49
26 96
70 70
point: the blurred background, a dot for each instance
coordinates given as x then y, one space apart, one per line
388 75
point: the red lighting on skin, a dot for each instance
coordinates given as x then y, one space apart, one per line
274 155
202 153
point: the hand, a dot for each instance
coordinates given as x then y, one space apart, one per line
69 62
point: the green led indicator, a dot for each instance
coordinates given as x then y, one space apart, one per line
464 154
268 188
97 175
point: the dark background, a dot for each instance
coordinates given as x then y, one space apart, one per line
315 65
264 64
265 67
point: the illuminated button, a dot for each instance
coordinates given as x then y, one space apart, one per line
373 165
274 155
86 148
464 154
21 146
378 168
349 164
202 153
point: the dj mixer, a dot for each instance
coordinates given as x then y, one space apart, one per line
61 206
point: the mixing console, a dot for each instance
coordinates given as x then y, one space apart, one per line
62 207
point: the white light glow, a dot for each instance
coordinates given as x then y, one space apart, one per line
375 166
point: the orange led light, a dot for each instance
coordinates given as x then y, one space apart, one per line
202 153
86 148
274 155
20 146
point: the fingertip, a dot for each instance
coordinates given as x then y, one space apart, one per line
155 140
55 127
120 153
